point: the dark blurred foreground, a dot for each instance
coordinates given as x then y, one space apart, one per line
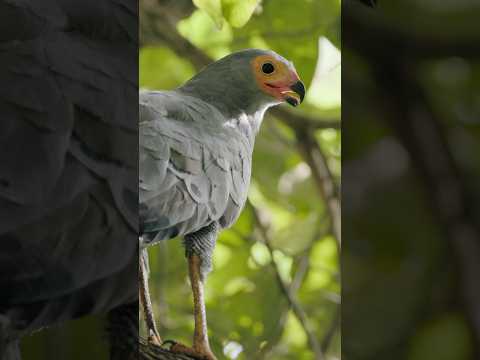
411 175
68 179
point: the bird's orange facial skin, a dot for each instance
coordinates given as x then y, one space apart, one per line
275 83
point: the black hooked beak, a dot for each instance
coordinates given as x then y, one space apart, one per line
299 93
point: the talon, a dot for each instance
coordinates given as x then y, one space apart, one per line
154 338
199 354
169 342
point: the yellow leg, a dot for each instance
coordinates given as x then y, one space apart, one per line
200 338
201 347
153 335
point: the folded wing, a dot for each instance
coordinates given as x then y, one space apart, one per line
192 169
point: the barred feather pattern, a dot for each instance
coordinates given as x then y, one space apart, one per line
202 243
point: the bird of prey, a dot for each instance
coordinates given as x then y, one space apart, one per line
68 163
196 145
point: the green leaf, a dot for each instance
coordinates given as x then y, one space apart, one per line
202 32
238 12
212 8
161 68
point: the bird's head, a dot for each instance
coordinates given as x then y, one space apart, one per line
248 80
278 78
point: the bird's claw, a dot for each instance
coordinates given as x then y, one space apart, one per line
154 338
199 353
169 342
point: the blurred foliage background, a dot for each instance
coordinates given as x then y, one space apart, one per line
410 184
274 292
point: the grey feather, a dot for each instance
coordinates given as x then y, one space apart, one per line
192 171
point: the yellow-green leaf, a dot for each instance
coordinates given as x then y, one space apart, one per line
212 8
238 12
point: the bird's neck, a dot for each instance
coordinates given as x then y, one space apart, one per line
239 109
230 101
247 122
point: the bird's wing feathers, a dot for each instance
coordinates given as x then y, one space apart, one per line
192 171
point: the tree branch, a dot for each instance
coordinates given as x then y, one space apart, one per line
298 278
327 339
297 281
152 352
313 155
296 120
297 309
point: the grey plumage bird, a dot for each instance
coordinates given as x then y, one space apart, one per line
196 145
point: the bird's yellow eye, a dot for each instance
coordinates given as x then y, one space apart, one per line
268 68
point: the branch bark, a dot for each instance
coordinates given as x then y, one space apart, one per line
152 352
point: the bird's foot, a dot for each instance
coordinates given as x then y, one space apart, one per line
154 338
196 352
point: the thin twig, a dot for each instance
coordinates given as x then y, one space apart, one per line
313 155
296 307
298 278
332 329
295 120
301 272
